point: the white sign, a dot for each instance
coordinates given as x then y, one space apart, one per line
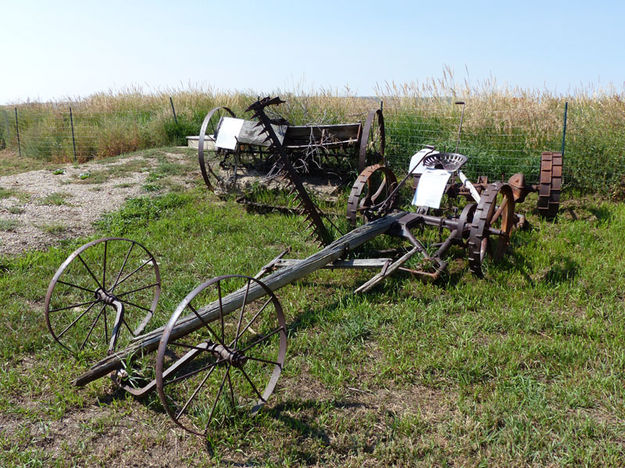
228 133
431 188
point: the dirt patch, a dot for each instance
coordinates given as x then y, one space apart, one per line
39 208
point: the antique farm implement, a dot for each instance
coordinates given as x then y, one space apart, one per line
227 143
478 216
223 349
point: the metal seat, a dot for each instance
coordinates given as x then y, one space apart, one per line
448 161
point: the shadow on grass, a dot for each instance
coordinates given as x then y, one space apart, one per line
302 425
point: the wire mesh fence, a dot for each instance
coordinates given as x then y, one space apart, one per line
498 141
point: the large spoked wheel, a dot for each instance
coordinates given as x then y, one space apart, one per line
550 185
492 223
206 144
220 352
87 291
373 186
372 140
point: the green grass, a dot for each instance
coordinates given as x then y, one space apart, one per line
55 199
524 367
53 228
8 224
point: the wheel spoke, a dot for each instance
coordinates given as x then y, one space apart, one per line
265 361
76 286
221 312
106 328
135 305
193 372
221 387
130 274
121 270
90 272
206 324
261 339
95 321
75 320
192 397
128 326
254 318
231 390
73 305
187 346
252 384
104 266
247 290
137 290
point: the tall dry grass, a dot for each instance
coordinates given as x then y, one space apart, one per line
505 129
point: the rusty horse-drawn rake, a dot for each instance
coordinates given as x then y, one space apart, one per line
223 349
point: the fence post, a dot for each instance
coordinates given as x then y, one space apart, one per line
5 127
173 109
71 121
566 108
17 131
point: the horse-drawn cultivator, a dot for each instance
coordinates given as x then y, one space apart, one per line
224 346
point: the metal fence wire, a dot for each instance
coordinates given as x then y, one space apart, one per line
496 141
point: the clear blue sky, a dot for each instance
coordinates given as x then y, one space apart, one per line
52 50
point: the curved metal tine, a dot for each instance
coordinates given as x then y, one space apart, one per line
253 319
221 387
66 283
95 321
136 290
90 272
60 335
247 290
195 392
380 189
206 324
123 266
499 210
131 273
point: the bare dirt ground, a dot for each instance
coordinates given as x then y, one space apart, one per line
38 208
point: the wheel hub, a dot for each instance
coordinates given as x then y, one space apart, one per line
106 297
236 358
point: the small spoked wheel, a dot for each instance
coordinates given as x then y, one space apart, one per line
206 145
492 223
222 351
372 140
102 295
372 187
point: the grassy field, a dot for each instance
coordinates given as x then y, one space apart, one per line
505 129
524 367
